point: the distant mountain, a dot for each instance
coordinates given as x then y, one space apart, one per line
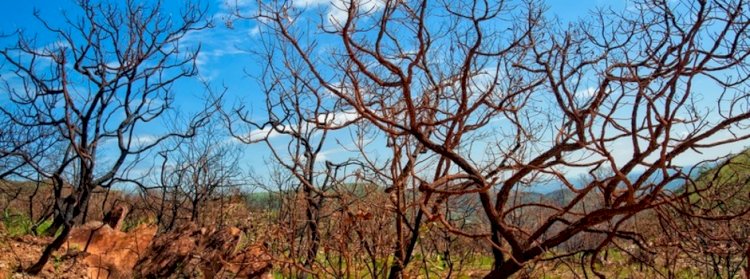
560 197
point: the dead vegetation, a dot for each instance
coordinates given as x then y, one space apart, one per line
96 250
449 116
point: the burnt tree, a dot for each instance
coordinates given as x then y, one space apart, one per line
109 72
505 99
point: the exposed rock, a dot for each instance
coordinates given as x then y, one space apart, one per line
252 262
110 253
95 250
195 252
168 251
116 217
19 252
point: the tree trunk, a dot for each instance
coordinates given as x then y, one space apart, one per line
57 222
72 210
60 208
497 254
396 268
68 205
503 271
312 218
501 268
52 247
85 213
312 252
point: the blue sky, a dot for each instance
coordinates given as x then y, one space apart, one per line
226 59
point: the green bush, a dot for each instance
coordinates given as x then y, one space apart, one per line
17 224
20 224
43 227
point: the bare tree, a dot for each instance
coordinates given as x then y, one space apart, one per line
710 226
300 116
194 179
21 145
504 99
109 72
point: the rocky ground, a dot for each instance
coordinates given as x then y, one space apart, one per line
95 250
20 252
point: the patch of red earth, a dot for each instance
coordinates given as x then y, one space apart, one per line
19 252
192 252
95 250
110 253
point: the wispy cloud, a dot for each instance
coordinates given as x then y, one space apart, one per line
589 92
144 139
586 93
227 37
331 120
337 119
325 155
336 10
258 135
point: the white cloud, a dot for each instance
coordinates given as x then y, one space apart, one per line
336 12
254 31
144 139
331 120
326 155
589 92
586 93
205 56
53 47
229 39
309 3
260 134
337 119
269 132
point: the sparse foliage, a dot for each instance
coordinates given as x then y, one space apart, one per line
87 95
408 138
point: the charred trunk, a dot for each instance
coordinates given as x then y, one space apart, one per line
504 270
73 209
312 216
52 247
396 268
